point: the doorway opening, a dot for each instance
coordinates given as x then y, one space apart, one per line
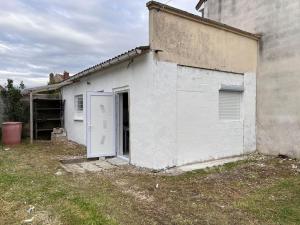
123 130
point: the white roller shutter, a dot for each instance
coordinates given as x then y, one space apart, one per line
230 105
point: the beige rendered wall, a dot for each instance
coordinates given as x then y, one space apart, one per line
278 81
188 41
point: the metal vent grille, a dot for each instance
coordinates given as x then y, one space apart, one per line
230 105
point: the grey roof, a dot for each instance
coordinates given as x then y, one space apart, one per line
133 53
45 88
113 61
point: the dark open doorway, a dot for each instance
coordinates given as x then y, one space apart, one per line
123 124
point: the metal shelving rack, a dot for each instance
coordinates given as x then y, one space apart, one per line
48 113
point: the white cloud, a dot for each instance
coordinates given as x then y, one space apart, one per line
28 77
4 48
37 67
45 29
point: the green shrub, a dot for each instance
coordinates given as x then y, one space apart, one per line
14 108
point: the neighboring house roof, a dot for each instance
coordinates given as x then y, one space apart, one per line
57 78
200 3
133 53
1 88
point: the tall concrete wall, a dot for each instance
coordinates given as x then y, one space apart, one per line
278 82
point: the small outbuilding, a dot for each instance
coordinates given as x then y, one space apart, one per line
189 96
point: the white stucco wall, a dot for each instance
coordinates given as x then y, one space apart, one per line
201 134
157 116
138 77
187 125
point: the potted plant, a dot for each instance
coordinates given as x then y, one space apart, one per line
14 113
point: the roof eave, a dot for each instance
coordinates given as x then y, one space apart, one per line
108 63
51 87
131 54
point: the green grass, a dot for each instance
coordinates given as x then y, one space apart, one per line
23 185
236 193
278 204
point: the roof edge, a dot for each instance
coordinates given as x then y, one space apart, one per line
113 61
51 87
178 12
133 53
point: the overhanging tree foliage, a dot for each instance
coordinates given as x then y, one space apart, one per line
14 108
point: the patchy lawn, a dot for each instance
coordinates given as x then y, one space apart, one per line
261 190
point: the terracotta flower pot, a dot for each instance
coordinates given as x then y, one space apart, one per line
11 133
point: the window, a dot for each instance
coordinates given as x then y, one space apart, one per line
79 103
230 105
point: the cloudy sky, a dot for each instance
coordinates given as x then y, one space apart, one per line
42 36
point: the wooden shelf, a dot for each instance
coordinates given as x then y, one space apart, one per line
46 109
45 120
48 114
46 129
46 97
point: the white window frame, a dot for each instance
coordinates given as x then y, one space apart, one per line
78 112
241 92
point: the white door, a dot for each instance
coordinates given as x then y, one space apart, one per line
100 125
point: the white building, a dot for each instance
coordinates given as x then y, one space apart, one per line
187 97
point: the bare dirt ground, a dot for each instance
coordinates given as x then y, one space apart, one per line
34 189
